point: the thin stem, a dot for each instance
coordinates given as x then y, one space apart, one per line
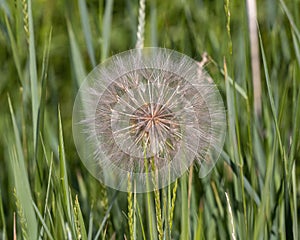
141 26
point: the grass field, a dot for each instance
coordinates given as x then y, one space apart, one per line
46 50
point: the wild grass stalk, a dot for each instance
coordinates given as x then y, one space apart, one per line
158 210
130 209
172 207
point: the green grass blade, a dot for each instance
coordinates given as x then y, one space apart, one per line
16 132
281 149
296 48
106 28
48 190
273 109
21 180
44 76
90 232
185 213
15 52
2 216
295 133
76 56
291 20
63 170
141 221
41 109
199 235
294 203
42 221
247 183
237 87
5 7
106 216
33 74
149 204
87 30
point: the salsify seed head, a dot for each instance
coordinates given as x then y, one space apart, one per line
144 113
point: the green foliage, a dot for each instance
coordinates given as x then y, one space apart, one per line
46 50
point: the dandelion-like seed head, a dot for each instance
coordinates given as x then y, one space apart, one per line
147 112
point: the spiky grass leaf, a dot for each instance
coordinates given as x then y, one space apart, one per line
21 180
33 73
41 109
67 205
84 15
76 56
15 51
106 27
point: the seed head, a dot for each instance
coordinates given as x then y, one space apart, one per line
148 106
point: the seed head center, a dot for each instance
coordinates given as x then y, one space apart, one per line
152 123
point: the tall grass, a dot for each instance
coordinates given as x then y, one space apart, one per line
47 48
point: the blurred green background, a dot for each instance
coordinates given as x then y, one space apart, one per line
46 50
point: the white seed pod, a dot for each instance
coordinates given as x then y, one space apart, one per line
148 114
